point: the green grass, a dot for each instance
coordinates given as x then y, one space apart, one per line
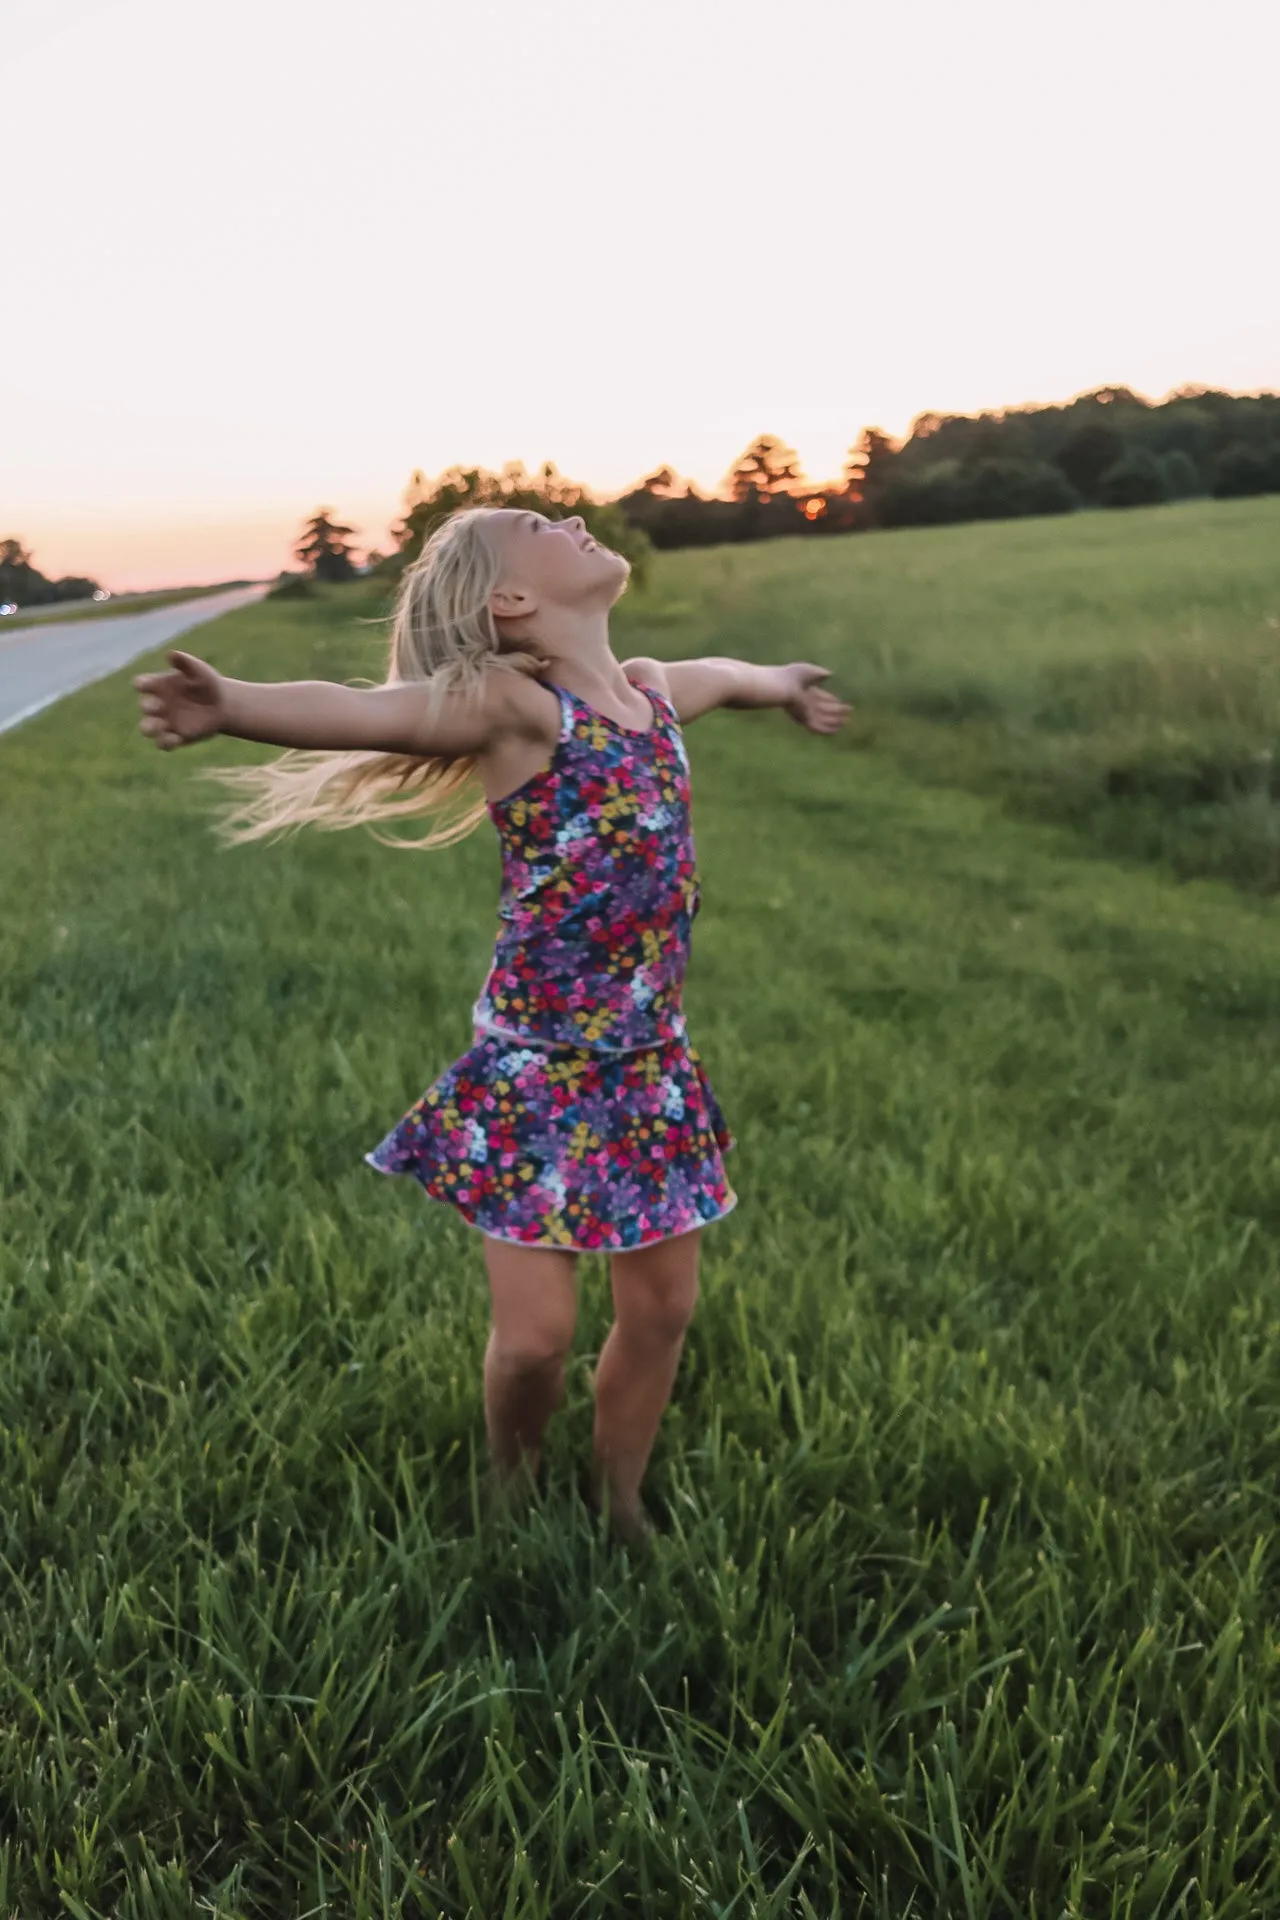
120 603
965 1599
1117 672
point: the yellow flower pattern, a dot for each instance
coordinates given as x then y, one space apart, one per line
582 1117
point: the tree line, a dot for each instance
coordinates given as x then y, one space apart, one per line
1108 448
327 550
23 585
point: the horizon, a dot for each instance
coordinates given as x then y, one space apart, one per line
289 318
362 544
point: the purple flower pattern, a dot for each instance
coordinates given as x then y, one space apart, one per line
582 1116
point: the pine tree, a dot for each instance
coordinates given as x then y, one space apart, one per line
326 548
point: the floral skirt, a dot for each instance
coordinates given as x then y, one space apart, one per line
566 1147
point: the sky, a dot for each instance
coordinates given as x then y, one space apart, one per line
276 254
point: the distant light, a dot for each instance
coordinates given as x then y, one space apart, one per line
8 606
102 594
815 508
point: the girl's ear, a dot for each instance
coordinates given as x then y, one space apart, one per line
512 603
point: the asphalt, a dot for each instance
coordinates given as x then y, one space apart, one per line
41 664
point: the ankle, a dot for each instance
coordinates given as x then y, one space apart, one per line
622 1507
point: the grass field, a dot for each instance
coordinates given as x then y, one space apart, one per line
965 1598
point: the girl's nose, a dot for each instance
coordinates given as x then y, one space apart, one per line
576 520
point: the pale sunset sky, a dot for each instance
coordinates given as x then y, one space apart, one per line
273 254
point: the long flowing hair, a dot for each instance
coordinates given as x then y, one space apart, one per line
443 635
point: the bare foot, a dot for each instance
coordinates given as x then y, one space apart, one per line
632 1525
509 1492
627 1519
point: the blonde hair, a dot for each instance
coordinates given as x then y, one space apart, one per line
442 635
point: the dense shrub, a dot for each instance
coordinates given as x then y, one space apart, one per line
290 586
1136 480
1092 450
925 499
1240 470
992 490
1182 477
1004 489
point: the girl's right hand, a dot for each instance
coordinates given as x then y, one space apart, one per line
181 707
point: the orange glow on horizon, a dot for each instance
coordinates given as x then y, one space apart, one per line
213 335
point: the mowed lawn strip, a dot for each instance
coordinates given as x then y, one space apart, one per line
968 1487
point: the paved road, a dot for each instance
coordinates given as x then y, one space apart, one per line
39 665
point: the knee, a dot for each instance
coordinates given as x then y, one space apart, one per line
531 1350
661 1314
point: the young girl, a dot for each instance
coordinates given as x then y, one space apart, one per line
580 1120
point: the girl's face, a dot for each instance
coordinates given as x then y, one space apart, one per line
556 562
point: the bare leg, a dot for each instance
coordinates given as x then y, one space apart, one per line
654 1293
534 1295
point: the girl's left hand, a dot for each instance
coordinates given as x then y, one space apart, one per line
810 703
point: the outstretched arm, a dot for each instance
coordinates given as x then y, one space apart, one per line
696 687
195 701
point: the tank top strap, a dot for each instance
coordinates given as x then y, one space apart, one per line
662 703
572 709
568 707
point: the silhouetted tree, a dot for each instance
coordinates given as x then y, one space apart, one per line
869 460
429 502
767 467
663 483
22 584
325 547
18 577
1107 448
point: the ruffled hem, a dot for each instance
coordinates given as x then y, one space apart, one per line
652 1239
567 1147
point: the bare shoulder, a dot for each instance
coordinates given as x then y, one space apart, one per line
648 673
524 727
516 705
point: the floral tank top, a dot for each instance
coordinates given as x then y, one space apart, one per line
599 888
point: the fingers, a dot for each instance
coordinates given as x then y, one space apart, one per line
155 722
180 662
826 714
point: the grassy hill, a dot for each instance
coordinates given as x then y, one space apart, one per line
965 1600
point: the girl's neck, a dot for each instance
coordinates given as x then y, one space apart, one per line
581 658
